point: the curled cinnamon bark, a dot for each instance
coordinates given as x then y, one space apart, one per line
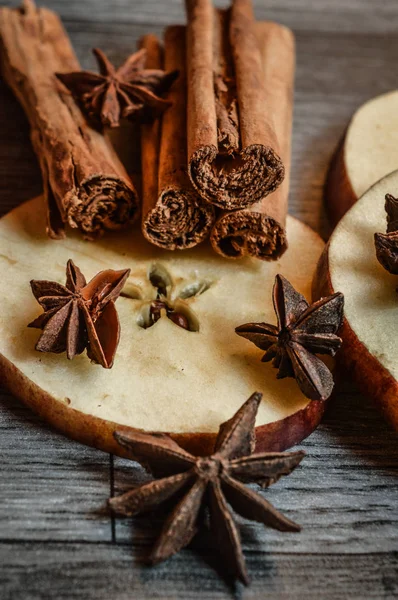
85 185
233 154
174 216
259 230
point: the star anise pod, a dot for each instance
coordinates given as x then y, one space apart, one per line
207 484
387 243
129 92
302 332
80 315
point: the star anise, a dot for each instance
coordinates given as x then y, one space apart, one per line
302 332
129 92
80 315
201 484
387 243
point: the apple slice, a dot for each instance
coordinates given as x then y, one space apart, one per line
370 329
164 377
368 152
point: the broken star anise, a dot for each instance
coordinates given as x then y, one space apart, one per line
80 315
303 330
387 243
201 484
129 92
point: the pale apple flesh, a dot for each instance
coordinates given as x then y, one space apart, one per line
370 331
367 152
164 378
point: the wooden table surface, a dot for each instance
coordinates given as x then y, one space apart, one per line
57 539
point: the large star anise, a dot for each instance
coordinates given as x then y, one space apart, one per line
302 332
387 243
80 315
211 482
129 92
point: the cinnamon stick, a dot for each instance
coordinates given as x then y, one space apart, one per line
233 152
174 216
85 184
259 230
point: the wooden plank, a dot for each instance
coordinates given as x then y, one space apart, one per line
306 15
51 487
104 571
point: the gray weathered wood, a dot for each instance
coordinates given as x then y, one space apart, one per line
105 571
50 487
355 16
55 534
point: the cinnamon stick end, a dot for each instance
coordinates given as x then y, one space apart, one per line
101 204
236 181
243 233
178 221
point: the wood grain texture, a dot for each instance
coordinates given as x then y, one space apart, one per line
56 538
363 16
105 571
51 488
